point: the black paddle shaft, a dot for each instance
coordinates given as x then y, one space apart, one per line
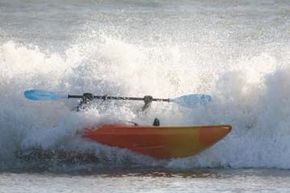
106 97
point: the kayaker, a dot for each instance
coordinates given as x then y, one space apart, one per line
148 100
88 97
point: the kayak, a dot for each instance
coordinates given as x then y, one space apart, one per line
159 142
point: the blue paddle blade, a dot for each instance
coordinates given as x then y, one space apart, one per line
192 100
42 95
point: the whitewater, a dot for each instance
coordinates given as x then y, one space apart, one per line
238 52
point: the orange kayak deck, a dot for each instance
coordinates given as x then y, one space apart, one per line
160 142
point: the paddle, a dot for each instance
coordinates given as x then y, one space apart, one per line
191 100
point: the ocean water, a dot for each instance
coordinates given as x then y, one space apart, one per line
236 51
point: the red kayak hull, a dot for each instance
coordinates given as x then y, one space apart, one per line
158 142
